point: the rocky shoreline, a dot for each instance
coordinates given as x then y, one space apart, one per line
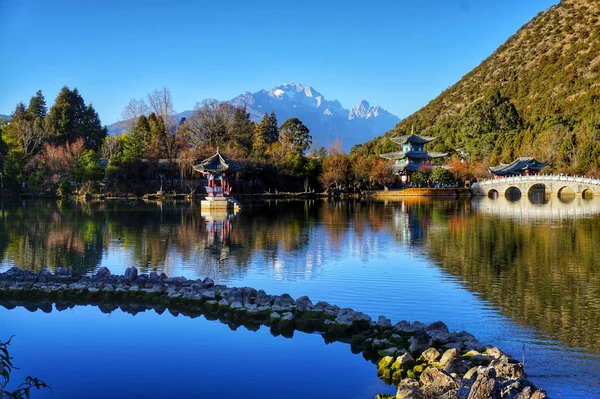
423 361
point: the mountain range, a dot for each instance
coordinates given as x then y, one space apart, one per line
537 95
327 120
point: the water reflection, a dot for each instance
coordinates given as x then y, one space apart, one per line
539 264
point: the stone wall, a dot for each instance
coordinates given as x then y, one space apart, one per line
423 361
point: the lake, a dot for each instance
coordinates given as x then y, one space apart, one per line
522 276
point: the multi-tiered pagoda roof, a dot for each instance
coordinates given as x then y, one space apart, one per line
518 167
413 152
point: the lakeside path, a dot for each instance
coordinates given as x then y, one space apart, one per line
422 361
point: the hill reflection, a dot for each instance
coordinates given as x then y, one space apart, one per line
541 268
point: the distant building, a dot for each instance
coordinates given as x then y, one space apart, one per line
522 166
413 156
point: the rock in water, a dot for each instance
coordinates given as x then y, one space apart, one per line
131 274
103 272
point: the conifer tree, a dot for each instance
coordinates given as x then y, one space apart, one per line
69 119
272 134
37 109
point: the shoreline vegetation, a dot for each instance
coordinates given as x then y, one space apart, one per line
419 360
63 151
460 192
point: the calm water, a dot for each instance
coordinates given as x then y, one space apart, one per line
524 277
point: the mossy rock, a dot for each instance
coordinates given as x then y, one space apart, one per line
411 374
384 364
398 375
385 396
419 368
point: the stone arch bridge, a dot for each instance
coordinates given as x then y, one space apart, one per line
557 185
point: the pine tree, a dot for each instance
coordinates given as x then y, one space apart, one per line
37 109
69 119
272 134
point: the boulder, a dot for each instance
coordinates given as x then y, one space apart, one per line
208 282
507 368
404 362
103 272
431 355
408 389
448 356
438 382
484 386
304 304
419 342
131 274
384 322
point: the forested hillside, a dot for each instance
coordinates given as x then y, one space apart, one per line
538 94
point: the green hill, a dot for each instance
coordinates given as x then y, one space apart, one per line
537 94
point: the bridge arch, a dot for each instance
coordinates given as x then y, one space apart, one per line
493 194
566 194
512 193
539 193
587 194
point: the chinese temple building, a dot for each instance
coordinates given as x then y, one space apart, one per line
218 190
413 155
522 166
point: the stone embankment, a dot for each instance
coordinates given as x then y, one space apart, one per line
423 361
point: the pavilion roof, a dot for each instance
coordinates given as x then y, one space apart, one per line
412 139
518 165
218 164
413 154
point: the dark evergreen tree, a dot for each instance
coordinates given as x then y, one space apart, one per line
241 129
69 119
272 134
37 109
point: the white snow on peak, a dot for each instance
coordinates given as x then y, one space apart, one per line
278 92
328 112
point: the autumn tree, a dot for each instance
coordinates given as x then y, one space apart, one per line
336 169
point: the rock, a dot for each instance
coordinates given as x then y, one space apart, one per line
304 304
388 352
539 395
493 352
62 272
208 282
457 366
438 382
484 386
419 342
384 322
379 344
408 389
283 302
480 360
471 375
437 326
507 368
103 272
384 364
131 274
404 362
431 355
448 356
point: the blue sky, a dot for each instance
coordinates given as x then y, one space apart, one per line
398 54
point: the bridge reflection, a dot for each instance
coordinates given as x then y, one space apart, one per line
537 207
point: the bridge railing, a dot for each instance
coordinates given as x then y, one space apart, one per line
541 179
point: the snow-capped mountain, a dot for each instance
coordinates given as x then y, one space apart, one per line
327 120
